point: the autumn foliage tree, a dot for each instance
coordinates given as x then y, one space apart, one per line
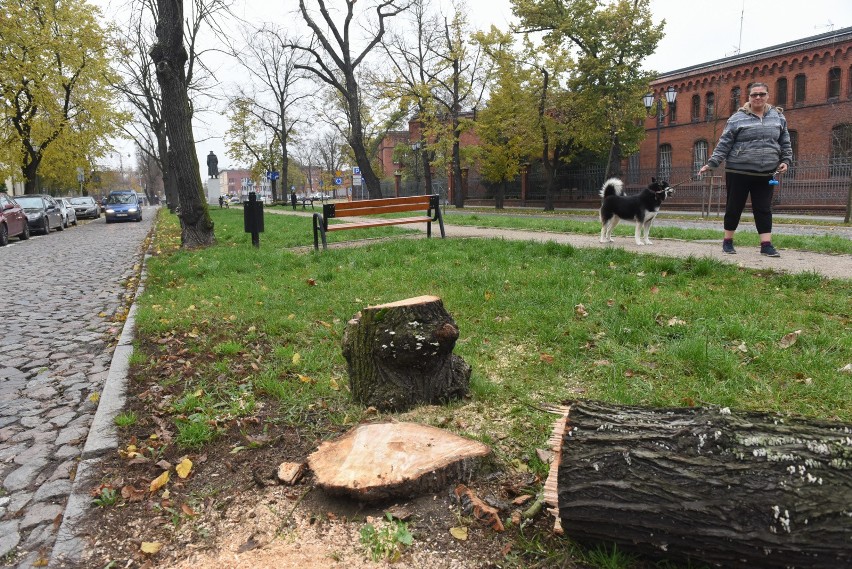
610 40
57 108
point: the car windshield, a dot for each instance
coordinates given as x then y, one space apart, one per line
29 202
121 198
82 201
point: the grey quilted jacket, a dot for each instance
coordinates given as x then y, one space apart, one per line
751 144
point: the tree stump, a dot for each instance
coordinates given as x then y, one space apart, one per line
401 354
389 460
729 489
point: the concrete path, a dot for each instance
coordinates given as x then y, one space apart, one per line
791 261
60 293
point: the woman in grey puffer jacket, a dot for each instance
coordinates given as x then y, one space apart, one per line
755 145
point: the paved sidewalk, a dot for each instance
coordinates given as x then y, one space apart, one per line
791 261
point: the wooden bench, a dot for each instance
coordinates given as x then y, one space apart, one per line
428 204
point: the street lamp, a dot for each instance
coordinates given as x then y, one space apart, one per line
648 100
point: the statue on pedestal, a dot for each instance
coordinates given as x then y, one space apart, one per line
212 165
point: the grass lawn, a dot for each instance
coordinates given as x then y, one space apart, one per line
539 324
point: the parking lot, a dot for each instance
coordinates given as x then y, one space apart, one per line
62 297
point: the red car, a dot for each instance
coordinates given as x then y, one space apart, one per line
13 220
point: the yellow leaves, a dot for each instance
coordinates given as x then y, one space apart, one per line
183 469
460 533
546 358
488 295
789 339
150 547
305 379
296 358
580 311
675 321
95 397
159 481
333 384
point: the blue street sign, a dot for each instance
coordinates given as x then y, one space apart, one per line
338 181
272 175
356 170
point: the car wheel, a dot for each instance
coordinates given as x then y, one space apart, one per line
74 223
45 226
60 227
4 234
26 234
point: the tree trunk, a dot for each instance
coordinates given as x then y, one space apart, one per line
169 184
427 171
401 354
169 57
379 461
728 489
613 166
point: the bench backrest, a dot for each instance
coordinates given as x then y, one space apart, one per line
383 205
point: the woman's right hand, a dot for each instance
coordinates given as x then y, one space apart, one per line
704 168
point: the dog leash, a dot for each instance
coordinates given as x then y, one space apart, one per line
691 179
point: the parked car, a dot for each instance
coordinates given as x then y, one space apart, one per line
69 216
42 211
13 220
86 207
121 205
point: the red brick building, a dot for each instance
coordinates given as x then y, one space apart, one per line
811 79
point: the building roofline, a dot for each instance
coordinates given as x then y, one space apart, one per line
827 38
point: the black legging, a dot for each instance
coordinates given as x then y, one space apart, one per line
739 188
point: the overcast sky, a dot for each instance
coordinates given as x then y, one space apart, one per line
695 32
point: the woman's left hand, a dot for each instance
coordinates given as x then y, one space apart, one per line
782 168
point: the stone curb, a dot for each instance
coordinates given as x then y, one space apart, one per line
68 549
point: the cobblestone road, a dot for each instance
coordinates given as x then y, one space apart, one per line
59 295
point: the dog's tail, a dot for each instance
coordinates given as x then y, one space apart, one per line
612 187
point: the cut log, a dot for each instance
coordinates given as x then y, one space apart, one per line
391 460
401 354
728 489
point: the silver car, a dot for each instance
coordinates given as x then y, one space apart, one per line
86 207
69 215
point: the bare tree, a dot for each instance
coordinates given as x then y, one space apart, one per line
415 63
334 63
272 63
139 85
170 57
460 83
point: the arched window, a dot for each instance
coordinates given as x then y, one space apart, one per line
834 83
672 112
696 108
709 106
665 161
781 92
699 155
840 161
735 99
799 84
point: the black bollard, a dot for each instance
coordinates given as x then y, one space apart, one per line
253 218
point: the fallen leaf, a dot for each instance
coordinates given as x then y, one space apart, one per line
305 379
187 510
159 481
296 358
333 384
150 547
743 348
789 339
132 493
41 562
546 358
580 311
460 533
488 295
312 282
522 499
164 465
655 290
675 321
183 469
95 397
846 369
610 302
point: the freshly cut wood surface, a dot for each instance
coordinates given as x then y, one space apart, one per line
384 460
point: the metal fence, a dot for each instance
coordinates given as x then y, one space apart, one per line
812 182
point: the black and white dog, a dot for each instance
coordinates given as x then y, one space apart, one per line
641 208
